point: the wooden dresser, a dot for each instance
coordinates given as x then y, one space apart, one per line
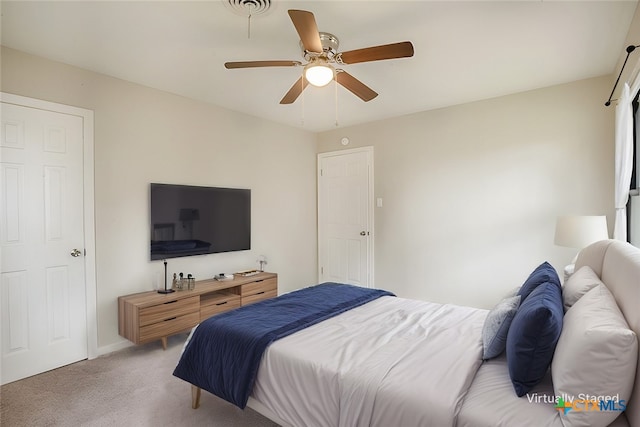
150 316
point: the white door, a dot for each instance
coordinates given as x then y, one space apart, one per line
43 296
345 217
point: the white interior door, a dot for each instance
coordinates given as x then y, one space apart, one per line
345 216
43 295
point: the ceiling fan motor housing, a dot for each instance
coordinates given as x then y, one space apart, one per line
330 45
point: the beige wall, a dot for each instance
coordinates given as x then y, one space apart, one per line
471 193
144 135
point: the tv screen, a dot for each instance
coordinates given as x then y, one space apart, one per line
191 220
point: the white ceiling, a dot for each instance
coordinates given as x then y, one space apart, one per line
464 51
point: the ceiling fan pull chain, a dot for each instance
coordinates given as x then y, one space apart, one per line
336 95
249 23
302 103
249 5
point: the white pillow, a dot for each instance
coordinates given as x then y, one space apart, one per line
596 355
578 284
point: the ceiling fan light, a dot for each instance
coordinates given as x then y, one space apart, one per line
318 74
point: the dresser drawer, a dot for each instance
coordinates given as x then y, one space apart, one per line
250 299
168 310
217 303
168 327
258 287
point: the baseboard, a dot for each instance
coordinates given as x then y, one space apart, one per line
113 347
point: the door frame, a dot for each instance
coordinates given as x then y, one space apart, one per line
88 202
370 211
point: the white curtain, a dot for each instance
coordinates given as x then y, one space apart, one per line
624 161
624 156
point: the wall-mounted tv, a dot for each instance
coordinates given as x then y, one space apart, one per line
191 220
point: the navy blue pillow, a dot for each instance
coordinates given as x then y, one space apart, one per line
533 336
544 273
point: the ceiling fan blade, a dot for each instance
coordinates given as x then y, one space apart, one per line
295 91
252 64
354 85
307 29
377 53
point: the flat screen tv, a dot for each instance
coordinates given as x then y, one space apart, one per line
191 220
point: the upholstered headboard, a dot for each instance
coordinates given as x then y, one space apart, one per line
618 265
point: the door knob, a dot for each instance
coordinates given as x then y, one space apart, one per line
363 233
76 253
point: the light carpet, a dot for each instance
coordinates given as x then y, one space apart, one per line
131 387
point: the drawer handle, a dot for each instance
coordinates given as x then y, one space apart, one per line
222 303
258 281
170 302
173 318
260 293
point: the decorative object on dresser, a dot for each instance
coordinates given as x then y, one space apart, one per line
150 316
165 290
262 261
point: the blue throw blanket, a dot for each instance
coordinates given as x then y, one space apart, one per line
224 352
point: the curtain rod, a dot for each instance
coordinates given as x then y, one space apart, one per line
629 49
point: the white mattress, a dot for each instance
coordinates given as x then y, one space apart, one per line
380 364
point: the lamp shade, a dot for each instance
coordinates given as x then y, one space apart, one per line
580 231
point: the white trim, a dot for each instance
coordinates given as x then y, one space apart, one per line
370 211
88 199
111 348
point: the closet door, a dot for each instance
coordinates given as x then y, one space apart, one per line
345 217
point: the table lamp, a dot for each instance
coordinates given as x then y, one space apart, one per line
578 232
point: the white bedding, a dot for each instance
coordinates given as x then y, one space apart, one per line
491 401
375 365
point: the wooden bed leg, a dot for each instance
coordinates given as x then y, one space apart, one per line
164 343
195 397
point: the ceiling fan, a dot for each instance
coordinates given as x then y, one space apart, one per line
320 51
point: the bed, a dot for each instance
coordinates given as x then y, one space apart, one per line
393 361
